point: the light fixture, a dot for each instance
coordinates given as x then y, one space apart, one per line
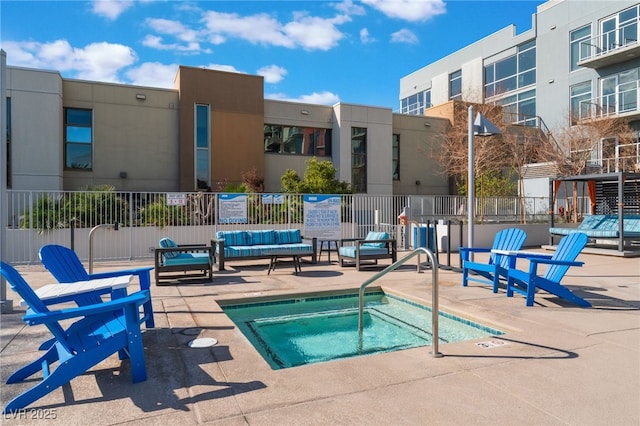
141 96
553 27
427 124
123 175
550 81
304 112
480 127
417 182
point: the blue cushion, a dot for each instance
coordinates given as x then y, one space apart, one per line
288 236
372 235
233 238
350 251
189 259
166 243
261 237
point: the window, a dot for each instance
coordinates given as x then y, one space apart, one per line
416 103
619 92
359 159
395 154
455 85
512 73
620 30
579 45
202 139
78 130
297 140
8 165
521 107
580 101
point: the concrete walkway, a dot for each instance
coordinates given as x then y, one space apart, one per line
556 364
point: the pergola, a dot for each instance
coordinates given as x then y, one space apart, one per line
624 205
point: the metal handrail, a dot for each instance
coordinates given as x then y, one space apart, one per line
434 295
94 229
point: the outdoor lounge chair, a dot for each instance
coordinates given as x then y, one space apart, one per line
376 245
497 266
98 332
66 267
527 282
172 257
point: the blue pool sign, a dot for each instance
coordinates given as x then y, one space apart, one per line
322 217
233 208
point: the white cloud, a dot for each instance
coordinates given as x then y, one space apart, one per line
272 73
311 33
349 8
175 28
365 38
322 98
404 36
222 67
111 9
96 61
409 10
153 74
156 42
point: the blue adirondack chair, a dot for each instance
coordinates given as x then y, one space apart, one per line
489 273
98 332
527 282
66 267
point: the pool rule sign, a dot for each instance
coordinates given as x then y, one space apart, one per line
322 217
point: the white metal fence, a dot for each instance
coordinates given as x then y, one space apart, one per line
36 218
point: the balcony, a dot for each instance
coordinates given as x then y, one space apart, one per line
613 47
620 104
625 159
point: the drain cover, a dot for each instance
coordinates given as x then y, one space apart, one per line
205 342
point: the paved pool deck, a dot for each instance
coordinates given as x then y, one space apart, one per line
556 364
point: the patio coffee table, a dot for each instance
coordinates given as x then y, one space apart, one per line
276 256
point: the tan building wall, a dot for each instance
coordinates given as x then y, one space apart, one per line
36 148
237 122
134 140
420 142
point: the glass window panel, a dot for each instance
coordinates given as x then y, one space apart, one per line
527 78
506 67
527 108
580 46
359 159
608 34
79 117
78 156
79 134
488 74
396 156
506 85
202 126
528 45
527 60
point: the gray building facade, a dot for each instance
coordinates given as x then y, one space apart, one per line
579 60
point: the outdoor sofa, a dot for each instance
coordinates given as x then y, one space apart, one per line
262 244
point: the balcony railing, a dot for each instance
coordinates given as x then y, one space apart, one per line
612 46
626 159
621 102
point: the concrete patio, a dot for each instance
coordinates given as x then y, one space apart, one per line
556 363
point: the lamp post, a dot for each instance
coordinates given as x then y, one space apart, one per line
481 126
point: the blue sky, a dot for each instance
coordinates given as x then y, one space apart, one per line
313 51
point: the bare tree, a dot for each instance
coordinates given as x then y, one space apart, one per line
489 154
